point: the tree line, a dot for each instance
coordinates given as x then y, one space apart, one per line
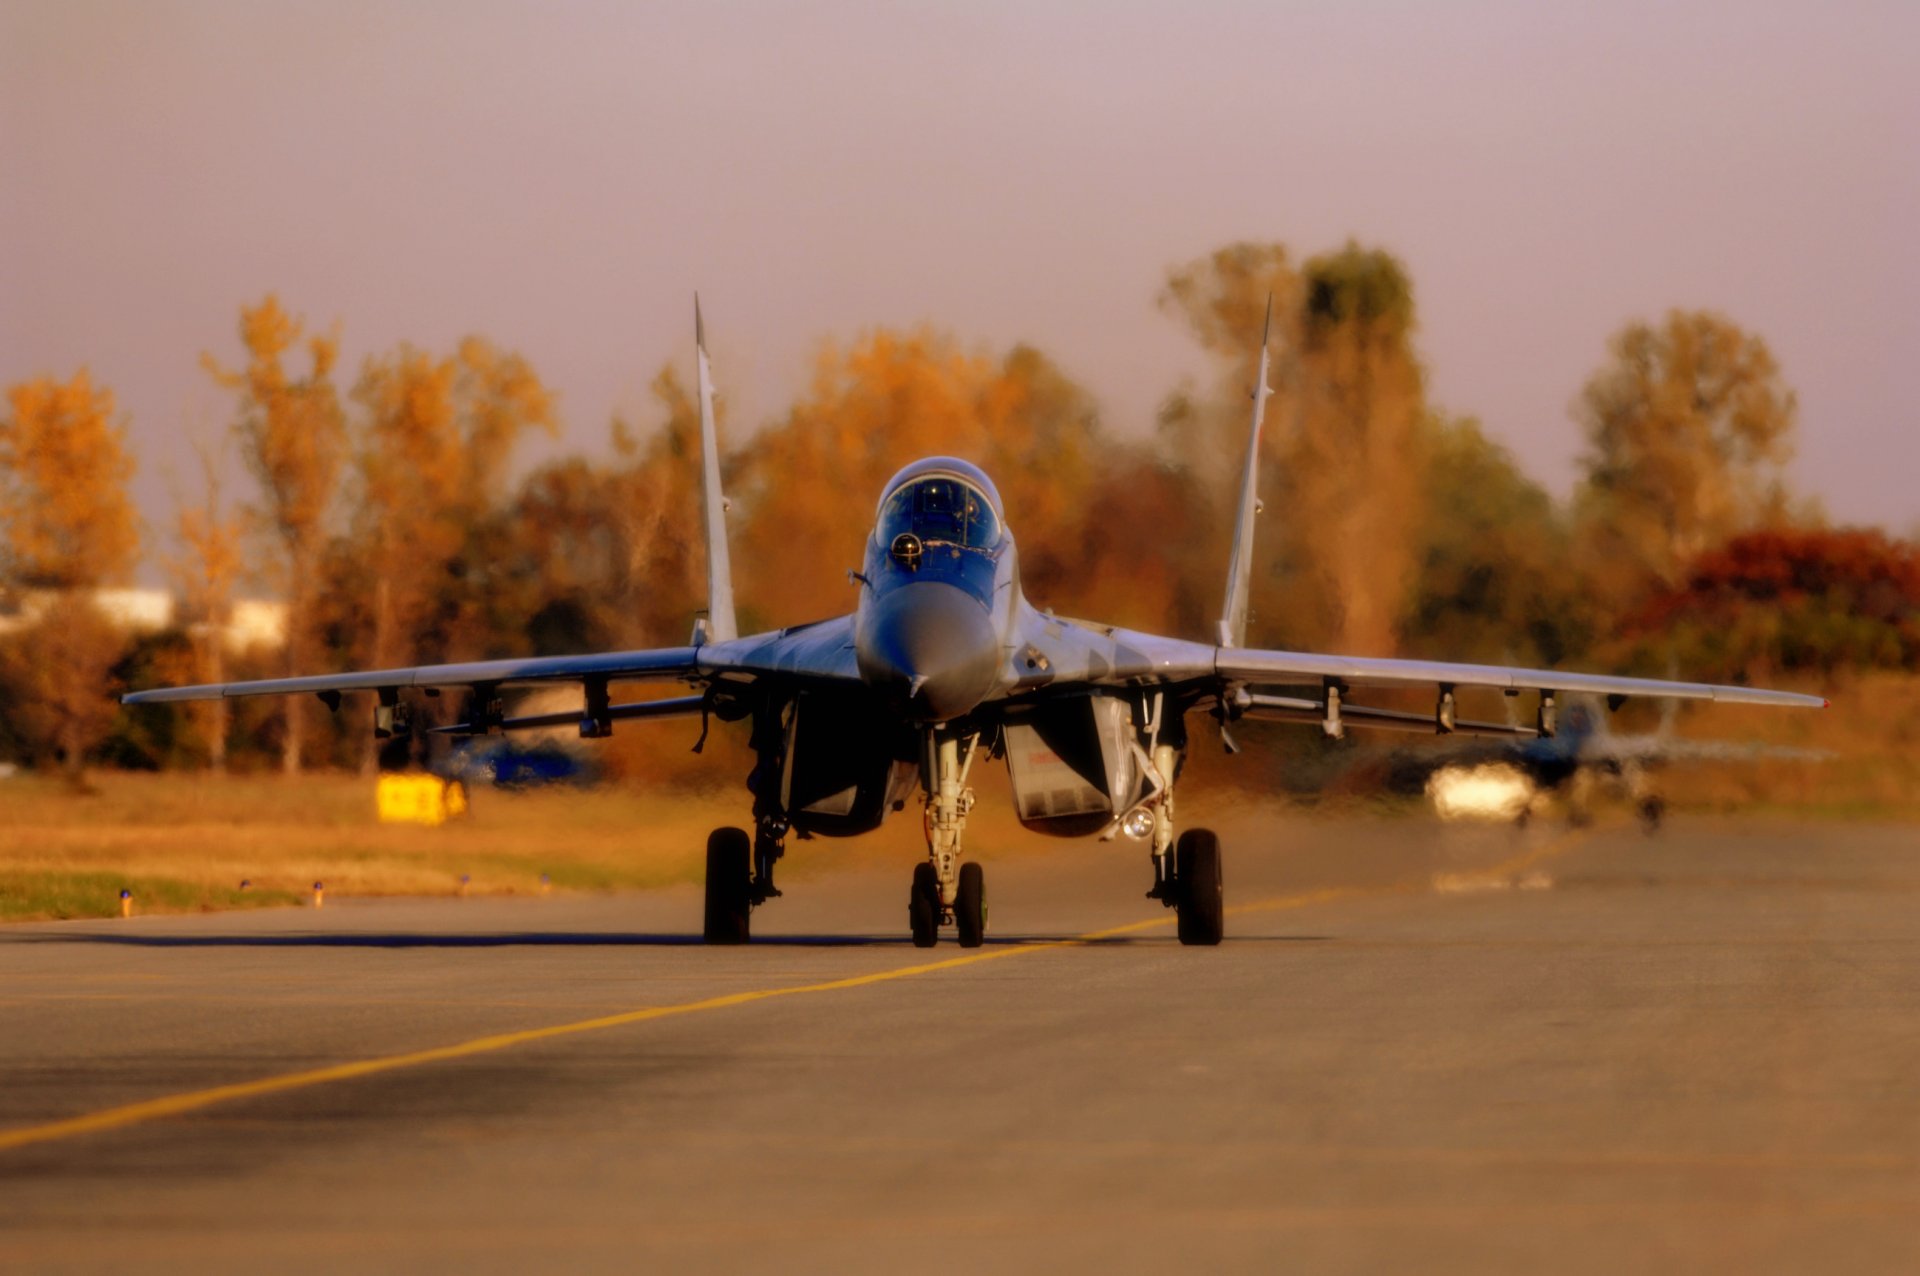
385 512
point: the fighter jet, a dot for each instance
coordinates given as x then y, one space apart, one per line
944 662
1585 760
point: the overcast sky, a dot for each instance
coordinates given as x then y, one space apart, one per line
562 177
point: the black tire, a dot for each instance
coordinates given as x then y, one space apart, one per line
729 887
970 906
1202 907
923 907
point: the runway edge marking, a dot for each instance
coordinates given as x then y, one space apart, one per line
194 1100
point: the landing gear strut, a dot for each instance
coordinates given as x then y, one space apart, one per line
1166 761
1186 876
769 844
945 891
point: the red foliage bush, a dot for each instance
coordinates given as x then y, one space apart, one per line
1796 598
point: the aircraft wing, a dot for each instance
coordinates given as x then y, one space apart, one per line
1293 668
1661 749
1128 657
818 652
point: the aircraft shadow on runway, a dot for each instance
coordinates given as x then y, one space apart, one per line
601 939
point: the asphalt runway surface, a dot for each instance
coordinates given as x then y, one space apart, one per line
1422 1047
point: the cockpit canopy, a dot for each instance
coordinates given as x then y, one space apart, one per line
941 501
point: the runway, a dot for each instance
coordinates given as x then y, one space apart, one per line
1422 1047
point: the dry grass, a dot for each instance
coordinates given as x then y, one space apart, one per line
186 842
285 835
1872 732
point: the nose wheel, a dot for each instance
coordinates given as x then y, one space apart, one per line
923 907
925 916
970 906
945 890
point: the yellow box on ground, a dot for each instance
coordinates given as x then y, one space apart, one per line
417 798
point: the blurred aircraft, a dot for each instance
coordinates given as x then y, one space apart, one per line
944 660
1585 760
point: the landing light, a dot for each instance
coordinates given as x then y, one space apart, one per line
1494 791
1138 823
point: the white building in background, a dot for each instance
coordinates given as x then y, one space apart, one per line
140 611
254 622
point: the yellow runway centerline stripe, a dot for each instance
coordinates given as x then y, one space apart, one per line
194 1100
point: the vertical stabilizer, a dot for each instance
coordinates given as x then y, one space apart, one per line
721 625
1233 617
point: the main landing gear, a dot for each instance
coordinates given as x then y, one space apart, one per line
946 891
729 886
1199 902
740 876
1186 875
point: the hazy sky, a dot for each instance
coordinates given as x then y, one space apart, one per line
562 177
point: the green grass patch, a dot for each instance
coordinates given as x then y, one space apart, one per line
35 895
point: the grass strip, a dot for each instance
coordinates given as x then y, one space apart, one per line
51 894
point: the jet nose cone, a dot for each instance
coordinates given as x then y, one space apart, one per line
932 646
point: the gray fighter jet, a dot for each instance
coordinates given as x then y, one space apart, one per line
943 661
1585 760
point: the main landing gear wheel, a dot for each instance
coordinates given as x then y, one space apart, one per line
970 906
1201 910
729 886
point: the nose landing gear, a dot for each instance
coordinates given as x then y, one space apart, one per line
968 915
945 891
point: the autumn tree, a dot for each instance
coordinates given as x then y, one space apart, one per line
69 527
1790 599
293 437
1223 300
605 555
1342 451
206 569
1353 466
810 483
1686 426
1491 580
435 441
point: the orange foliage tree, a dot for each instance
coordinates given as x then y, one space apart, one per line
205 571
69 527
609 555
809 484
293 437
436 439
1687 426
1343 452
